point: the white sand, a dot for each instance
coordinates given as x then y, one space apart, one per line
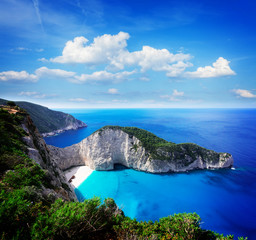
80 173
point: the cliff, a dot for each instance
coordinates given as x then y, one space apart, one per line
137 149
20 142
49 122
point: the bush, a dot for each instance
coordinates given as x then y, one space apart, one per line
17 213
11 103
27 173
74 220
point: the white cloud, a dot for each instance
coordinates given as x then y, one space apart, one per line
36 95
176 93
145 79
119 101
100 51
175 96
101 77
27 93
77 100
113 91
153 59
36 6
96 77
111 50
39 50
244 93
44 71
23 49
220 68
17 76
42 60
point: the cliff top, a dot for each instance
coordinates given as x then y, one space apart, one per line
158 147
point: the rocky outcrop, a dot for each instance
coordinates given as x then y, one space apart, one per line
36 149
113 145
73 126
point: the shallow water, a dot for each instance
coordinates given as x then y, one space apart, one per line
224 199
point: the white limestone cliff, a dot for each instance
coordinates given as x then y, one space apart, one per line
109 146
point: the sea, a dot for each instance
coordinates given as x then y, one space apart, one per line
224 199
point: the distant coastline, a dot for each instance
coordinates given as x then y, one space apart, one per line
56 132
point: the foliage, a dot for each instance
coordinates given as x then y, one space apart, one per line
19 198
17 212
182 226
48 120
65 220
10 140
164 150
24 174
11 103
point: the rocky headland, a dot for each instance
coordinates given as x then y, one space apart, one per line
47 121
137 149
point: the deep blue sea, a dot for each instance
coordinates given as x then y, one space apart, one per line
224 199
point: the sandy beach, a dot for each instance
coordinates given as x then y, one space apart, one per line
80 174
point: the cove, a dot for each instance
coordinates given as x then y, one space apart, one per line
224 199
214 195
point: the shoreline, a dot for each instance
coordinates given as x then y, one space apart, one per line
61 130
79 173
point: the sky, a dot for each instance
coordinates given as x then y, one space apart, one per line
129 54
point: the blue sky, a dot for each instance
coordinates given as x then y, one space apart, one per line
114 54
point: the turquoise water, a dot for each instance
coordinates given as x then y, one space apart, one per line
225 199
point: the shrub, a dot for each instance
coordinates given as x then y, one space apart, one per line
74 220
11 103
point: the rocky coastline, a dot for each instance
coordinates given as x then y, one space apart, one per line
109 146
73 126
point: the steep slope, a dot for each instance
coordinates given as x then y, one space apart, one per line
49 122
138 149
19 140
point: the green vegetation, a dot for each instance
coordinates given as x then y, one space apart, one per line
25 213
164 150
45 119
10 140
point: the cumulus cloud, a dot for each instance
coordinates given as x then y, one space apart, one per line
102 49
101 77
153 59
77 100
96 77
111 50
175 96
18 76
44 71
244 93
218 69
113 91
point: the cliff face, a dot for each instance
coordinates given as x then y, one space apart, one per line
38 151
49 122
110 146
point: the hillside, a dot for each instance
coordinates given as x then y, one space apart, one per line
37 203
49 122
137 149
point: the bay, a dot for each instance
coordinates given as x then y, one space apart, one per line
224 199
